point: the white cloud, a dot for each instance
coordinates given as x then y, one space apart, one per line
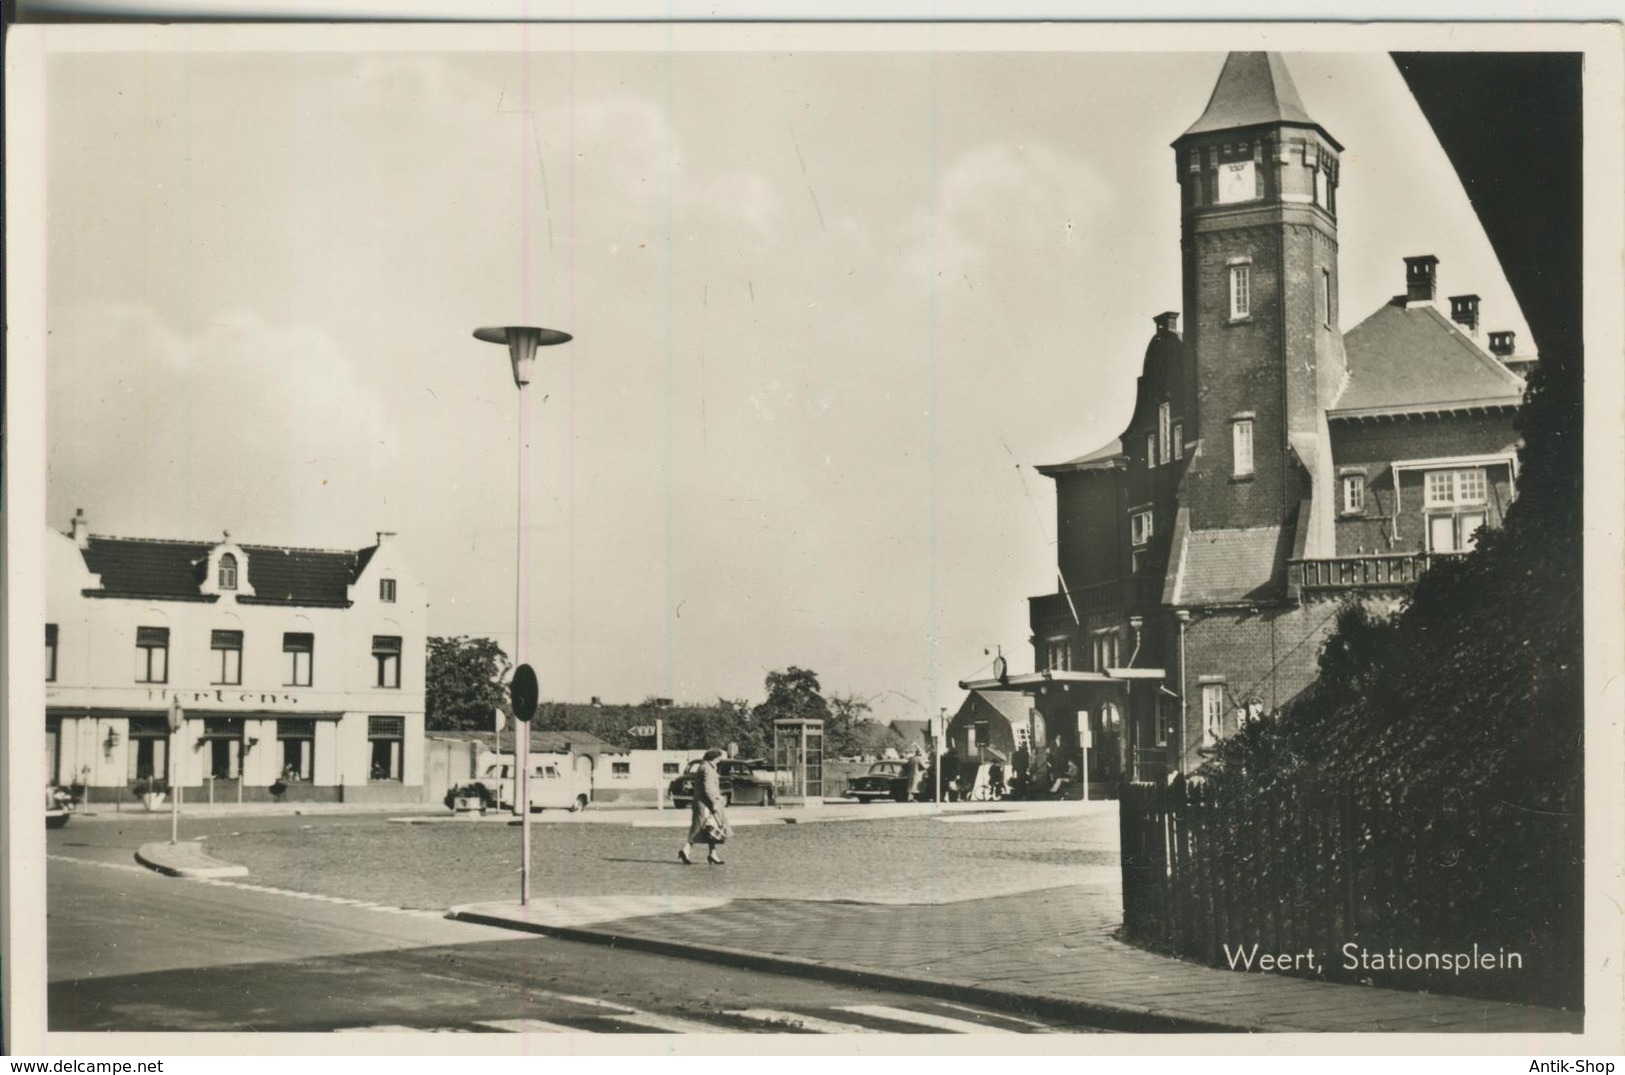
244 424
1001 198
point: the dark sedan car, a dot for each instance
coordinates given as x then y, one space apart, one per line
884 780
745 782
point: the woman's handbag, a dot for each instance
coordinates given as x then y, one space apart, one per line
714 829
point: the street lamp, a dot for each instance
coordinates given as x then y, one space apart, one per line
522 342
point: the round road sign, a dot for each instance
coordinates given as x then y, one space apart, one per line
525 692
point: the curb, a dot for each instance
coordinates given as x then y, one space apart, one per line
153 857
1102 1014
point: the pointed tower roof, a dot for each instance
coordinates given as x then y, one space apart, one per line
1254 89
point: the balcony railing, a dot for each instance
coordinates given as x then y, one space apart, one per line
1365 572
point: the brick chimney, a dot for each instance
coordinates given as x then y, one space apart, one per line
1167 322
81 529
1501 344
1421 279
1464 312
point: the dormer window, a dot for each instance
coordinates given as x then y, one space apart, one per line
228 572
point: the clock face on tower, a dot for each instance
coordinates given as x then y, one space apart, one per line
1237 182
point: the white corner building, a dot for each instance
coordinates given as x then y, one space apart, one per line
300 672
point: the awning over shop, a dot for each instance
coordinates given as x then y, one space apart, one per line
1116 677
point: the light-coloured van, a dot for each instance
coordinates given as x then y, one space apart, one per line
557 781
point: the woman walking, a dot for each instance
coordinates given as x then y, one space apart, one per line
707 824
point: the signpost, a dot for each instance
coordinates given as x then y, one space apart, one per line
177 720
1083 745
525 693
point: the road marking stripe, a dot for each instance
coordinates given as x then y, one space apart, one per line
383 1028
939 1022
527 1026
802 1022
590 1002
1005 1016
102 865
669 1023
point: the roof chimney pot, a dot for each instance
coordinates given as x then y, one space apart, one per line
1167 322
1421 278
382 534
1464 312
81 529
1501 345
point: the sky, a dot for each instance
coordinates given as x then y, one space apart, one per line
830 309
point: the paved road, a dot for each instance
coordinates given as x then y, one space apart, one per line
132 951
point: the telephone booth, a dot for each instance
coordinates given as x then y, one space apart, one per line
798 760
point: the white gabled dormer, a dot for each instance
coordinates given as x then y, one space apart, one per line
227 570
386 580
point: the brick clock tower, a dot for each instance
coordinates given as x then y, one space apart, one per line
1258 180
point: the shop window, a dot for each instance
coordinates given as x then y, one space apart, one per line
222 741
228 572
152 655
1353 494
386 591
1241 447
386 651
50 653
385 737
298 650
226 657
296 744
149 748
620 770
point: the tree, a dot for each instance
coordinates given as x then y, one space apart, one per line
467 680
793 692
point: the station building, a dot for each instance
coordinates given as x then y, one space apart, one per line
300 672
1274 466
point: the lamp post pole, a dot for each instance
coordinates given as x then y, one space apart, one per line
522 342
177 720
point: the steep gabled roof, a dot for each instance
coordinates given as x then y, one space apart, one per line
1253 89
1414 360
173 571
1232 566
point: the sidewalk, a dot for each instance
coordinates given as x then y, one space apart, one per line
645 816
1050 952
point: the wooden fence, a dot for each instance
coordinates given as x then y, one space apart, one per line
1366 875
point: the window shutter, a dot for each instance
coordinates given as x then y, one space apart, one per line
226 640
296 642
152 636
386 644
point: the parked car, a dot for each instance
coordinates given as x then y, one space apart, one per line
745 782
59 804
554 783
884 780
